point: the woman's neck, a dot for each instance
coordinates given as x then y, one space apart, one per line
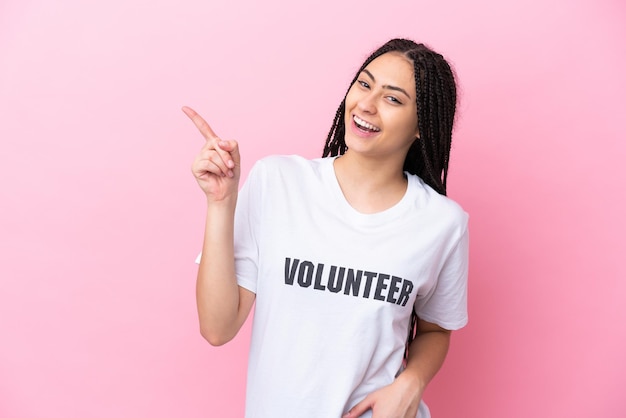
369 186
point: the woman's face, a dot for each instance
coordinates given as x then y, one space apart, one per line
381 114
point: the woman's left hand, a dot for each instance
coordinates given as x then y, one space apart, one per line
397 400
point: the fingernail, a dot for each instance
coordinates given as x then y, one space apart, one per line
231 174
231 164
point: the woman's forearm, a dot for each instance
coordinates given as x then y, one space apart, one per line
426 355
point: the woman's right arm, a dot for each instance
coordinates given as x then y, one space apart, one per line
223 305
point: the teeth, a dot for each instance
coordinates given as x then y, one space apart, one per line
364 124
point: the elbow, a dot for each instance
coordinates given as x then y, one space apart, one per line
214 338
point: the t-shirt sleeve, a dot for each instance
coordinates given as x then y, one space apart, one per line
247 224
446 303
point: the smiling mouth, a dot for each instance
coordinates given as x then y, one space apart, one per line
366 126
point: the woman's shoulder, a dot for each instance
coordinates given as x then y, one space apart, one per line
289 164
281 159
443 207
290 175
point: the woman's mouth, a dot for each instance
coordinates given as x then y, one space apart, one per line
364 125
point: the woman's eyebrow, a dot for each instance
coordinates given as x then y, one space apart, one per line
387 86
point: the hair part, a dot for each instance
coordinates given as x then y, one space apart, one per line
435 92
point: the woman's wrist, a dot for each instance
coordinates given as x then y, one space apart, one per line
412 382
228 203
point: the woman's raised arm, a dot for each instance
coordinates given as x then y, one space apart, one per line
223 306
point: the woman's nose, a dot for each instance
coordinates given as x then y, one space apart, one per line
367 103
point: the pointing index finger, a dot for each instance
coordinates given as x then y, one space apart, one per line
200 123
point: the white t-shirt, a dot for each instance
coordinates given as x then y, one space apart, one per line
335 287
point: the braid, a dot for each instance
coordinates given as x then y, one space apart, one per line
436 103
333 145
429 155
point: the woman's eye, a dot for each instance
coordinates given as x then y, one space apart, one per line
394 100
364 84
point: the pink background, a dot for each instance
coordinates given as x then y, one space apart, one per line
101 219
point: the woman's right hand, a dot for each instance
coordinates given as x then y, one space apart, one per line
217 166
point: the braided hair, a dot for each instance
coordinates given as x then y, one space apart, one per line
429 155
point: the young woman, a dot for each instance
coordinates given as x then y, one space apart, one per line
344 255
